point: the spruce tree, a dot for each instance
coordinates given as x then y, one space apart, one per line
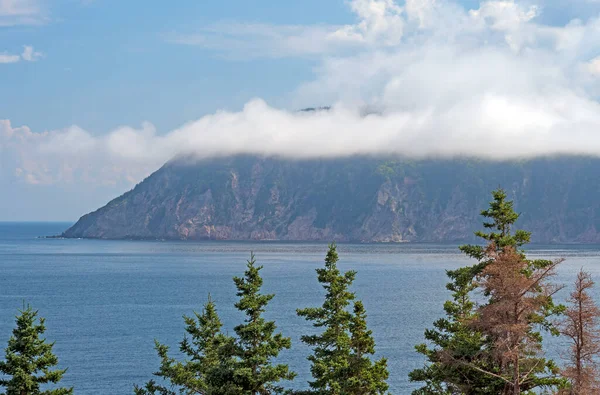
29 359
210 367
340 359
454 340
257 342
458 352
365 376
331 349
501 218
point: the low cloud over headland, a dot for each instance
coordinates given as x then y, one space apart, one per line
424 78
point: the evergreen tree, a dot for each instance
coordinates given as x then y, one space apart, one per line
340 359
502 217
210 368
458 352
331 349
29 359
365 376
454 340
257 342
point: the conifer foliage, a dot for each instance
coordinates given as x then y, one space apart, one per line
29 360
365 376
257 341
209 369
219 364
466 353
341 363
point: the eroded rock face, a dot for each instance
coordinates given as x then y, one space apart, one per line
359 199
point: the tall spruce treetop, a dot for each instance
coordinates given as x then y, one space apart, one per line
29 359
341 363
452 338
459 356
257 342
331 349
502 217
210 368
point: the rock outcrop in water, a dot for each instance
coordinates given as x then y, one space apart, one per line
350 199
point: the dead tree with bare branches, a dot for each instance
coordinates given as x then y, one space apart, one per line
520 295
581 325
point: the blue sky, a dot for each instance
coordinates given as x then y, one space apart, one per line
96 94
107 63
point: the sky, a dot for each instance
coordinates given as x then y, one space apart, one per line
97 94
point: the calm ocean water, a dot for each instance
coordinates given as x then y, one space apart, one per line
106 301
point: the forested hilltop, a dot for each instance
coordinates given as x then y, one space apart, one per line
361 199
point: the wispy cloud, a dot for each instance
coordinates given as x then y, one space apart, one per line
8 58
380 23
28 55
240 40
21 12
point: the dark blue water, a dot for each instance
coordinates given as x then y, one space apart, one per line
106 301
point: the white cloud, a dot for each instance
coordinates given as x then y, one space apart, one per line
240 40
28 55
67 156
504 15
593 66
439 80
380 24
21 12
8 58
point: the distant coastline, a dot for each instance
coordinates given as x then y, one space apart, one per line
353 199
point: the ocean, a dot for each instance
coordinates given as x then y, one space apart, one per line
106 301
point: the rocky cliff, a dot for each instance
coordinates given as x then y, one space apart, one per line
350 199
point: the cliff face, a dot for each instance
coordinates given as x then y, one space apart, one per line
350 199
